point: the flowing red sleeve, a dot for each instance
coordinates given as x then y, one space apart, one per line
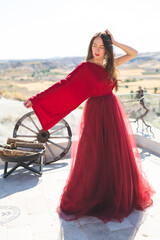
60 99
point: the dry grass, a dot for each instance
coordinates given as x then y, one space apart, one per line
21 90
134 86
35 86
148 81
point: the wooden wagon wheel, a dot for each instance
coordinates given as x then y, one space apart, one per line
57 139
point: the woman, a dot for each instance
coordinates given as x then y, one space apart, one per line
106 179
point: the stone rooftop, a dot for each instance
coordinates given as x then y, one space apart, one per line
28 208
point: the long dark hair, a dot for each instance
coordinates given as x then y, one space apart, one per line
109 56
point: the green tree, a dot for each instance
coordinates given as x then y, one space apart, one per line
145 90
155 89
132 94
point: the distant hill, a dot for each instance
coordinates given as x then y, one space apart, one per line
37 64
143 60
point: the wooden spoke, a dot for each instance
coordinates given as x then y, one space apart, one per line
50 150
33 122
27 136
58 129
57 145
60 137
28 128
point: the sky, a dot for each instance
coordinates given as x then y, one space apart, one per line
33 29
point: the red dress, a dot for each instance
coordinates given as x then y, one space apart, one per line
106 179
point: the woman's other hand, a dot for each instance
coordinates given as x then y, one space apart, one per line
109 33
28 103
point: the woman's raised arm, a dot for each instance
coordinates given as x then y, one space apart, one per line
130 52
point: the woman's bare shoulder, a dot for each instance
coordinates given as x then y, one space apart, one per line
82 64
86 61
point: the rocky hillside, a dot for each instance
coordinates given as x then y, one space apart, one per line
146 60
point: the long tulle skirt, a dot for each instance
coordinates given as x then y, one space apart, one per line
106 179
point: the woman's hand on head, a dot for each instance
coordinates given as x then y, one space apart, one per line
109 33
28 103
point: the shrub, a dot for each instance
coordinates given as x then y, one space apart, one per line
155 89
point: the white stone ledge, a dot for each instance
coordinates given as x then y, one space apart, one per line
148 144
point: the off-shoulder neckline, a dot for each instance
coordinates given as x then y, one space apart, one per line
95 64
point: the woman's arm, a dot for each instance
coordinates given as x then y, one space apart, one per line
130 52
57 101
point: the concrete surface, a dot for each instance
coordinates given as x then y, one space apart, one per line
28 208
